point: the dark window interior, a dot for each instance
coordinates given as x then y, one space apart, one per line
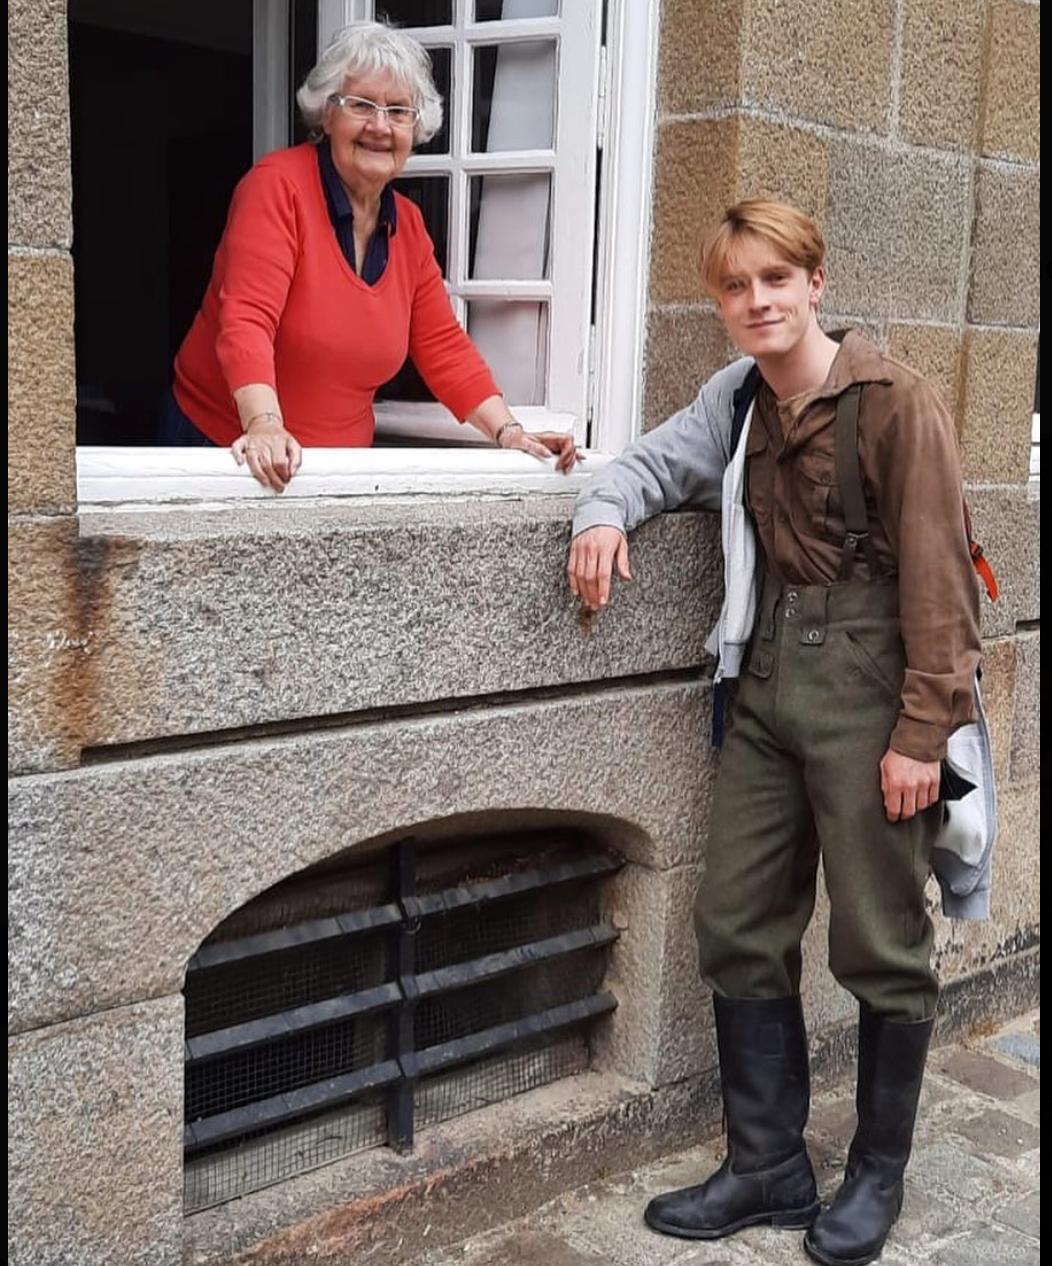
161 119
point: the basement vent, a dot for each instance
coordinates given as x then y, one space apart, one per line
342 1010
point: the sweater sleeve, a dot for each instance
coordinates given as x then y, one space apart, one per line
255 262
920 503
447 359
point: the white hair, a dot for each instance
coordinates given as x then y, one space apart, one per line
365 48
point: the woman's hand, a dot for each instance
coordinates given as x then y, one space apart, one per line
909 786
273 456
542 444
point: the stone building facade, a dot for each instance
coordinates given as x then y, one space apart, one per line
204 703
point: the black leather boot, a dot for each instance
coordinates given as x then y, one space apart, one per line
766 1179
891 1055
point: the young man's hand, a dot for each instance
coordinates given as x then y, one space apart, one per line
593 554
909 786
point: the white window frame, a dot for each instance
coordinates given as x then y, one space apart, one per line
571 164
610 354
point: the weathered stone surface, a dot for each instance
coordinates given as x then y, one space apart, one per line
942 55
780 162
122 870
1006 282
49 635
962 949
1008 523
933 351
824 60
663 1029
464 1176
95 1120
1000 368
1012 114
981 1073
896 228
999 694
700 54
684 348
38 173
176 624
1026 730
695 170
41 421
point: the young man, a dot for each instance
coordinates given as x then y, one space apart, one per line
853 657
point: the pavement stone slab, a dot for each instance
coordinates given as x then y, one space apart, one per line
1025 1047
982 1073
1024 1216
999 1133
990 1246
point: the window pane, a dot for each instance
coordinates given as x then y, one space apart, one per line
415 12
495 10
513 338
514 101
431 195
510 227
441 61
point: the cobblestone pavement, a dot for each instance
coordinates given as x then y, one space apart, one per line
972 1188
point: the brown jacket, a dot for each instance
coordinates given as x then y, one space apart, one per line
912 476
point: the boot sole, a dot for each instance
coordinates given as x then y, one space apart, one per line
827 1260
786 1220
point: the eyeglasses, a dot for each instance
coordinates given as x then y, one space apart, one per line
366 111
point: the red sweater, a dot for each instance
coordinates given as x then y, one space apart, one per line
283 307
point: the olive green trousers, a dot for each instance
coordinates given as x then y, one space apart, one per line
799 780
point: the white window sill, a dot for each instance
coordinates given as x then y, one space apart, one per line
117 478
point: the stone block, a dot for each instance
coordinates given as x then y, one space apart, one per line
961 948
828 61
981 1073
664 1028
50 635
942 57
1025 763
41 418
695 180
933 351
700 55
39 187
1008 524
1006 281
1011 118
896 231
187 623
684 348
119 871
785 163
1000 369
999 696
95 1120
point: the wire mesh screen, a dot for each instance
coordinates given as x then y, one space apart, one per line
312 1011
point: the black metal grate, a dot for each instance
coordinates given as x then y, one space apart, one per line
346 1008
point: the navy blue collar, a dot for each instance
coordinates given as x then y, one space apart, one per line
339 203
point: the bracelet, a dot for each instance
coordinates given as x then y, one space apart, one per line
497 437
268 413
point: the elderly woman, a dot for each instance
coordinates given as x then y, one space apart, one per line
326 278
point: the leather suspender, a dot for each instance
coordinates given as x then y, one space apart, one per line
849 481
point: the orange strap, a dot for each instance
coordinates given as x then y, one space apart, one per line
984 569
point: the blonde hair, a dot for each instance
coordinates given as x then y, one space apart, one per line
794 235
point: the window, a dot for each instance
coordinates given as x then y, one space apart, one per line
536 193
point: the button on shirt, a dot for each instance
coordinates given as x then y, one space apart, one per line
342 216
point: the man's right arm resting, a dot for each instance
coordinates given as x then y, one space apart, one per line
680 462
